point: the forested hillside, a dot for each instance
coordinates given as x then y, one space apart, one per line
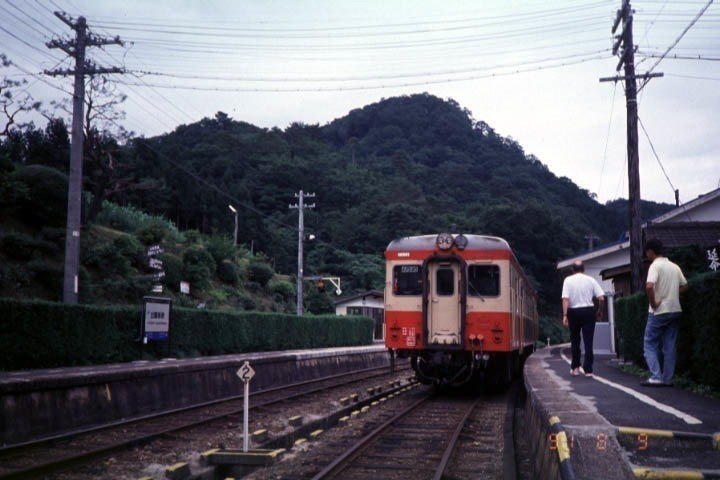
402 166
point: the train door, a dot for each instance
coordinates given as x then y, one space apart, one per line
444 312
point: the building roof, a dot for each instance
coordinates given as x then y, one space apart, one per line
598 252
684 208
672 235
369 293
681 234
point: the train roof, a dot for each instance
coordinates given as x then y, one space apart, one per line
427 242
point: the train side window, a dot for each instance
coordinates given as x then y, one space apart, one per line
407 280
445 281
483 280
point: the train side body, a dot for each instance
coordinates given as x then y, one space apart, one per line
458 311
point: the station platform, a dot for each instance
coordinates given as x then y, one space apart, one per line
45 402
616 428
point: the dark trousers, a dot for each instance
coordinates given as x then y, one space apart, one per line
582 320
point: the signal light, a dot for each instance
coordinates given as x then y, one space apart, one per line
321 285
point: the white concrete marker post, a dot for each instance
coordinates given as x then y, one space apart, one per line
246 373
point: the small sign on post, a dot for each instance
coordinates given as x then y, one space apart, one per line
246 373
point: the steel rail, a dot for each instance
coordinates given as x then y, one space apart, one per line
339 464
6 449
62 463
440 471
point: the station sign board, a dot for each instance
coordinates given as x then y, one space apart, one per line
156 318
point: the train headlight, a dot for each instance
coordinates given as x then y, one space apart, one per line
444 241
461 242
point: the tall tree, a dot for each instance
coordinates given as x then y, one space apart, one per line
12 101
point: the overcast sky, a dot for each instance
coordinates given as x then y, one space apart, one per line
530 69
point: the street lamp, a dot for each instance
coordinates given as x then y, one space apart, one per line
232 209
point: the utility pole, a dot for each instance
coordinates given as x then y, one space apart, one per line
76 48
627 58
300 206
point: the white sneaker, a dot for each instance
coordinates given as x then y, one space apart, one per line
575 372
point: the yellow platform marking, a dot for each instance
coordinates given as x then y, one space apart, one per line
650 432
649 473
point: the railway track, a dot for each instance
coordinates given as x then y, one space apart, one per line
421 436
421 441
60 452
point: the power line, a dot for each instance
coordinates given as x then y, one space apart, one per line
677 40
694 77
370 87
607 139
359 78
652 147
464 18
680 57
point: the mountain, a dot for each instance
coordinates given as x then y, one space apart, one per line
402 166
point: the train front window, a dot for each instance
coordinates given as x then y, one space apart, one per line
407 280
483 280
444 281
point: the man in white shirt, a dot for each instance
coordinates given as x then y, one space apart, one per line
579 315
665 282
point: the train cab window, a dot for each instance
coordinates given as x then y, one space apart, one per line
483 280
407 280
444 281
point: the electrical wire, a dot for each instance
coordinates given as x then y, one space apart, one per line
607 138
694 77
677 40
372 87
652 147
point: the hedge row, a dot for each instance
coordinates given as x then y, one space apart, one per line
699 337
39 334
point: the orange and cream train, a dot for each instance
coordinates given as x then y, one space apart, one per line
460 307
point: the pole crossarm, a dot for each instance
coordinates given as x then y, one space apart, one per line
623 78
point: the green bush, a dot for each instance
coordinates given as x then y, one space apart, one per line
130 219
152 232
37 334
173 267
193 236
221 248
130 248
198 267
22 246
284 289
699 329
102 256
260 272
228 272
47 273
46 200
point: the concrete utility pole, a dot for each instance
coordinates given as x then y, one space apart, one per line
301 237
627 58
76 48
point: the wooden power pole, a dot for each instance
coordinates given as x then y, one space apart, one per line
627 59
76 48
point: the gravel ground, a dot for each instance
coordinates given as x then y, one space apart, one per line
185 446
